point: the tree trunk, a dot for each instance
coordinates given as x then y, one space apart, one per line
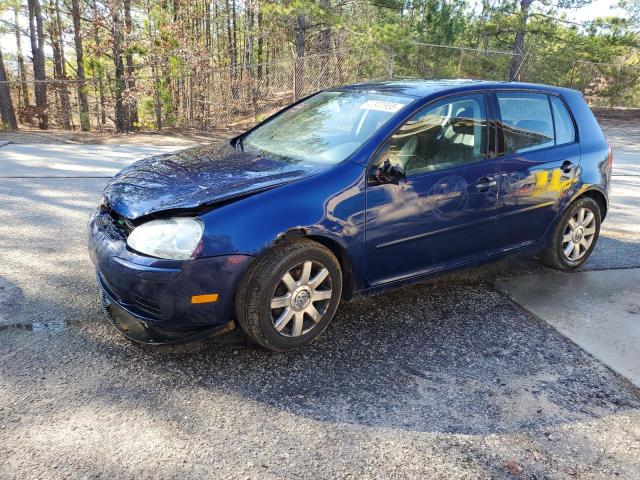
301 27
123 117
157 100
249 47
131 102
96 38
234 49
217 35
324 42
121 122
325 33
207 24
36 36
66 104
152 33
6 104
85 124
518 45
59 67
260 44
229 35
21 66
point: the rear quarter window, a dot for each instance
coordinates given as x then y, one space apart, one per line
565 129
527 121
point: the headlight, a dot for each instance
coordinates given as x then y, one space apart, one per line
174 238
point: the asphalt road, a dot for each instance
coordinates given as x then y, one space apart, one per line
68 160
447 379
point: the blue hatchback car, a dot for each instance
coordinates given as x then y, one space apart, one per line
350 190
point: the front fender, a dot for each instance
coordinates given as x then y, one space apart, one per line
330 204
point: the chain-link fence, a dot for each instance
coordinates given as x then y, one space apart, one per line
218 97
240 95
607 84
423 60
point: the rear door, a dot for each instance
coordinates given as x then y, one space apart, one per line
440 212
539 158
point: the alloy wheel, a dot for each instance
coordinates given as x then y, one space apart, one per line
579 234
301 298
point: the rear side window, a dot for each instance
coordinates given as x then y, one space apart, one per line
565 130
527 121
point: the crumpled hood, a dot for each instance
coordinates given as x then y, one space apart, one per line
194 177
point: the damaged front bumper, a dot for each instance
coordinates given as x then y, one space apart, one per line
143 331
151 300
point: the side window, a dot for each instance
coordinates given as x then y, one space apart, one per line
526 121
441 136
565 130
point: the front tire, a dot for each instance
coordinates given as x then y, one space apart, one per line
289 296
575 235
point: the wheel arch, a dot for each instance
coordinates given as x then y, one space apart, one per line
592 192
599 197
549 254
340 252
343 258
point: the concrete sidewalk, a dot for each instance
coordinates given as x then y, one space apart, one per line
598 310
58 160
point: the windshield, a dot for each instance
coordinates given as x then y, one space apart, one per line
324 129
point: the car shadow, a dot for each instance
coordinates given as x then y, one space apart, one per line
451 356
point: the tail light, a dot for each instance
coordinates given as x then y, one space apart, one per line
610 160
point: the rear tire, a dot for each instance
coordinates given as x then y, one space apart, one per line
574 236
289 296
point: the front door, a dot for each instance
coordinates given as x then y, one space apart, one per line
431 195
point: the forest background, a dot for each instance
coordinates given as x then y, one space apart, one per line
137 65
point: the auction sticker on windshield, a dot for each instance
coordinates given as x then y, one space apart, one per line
382 106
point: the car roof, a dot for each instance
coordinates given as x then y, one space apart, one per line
419 88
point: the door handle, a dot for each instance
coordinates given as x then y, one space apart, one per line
566 166
485 183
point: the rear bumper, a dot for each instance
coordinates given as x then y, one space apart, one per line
159 292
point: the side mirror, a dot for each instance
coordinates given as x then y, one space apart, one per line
389 173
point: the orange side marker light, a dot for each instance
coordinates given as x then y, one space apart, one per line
209 298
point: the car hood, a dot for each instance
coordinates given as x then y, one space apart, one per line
195 177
